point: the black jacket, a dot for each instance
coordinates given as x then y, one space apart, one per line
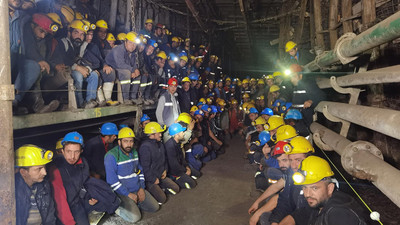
94 152
176 160
43 197
340 209
152 158
185 100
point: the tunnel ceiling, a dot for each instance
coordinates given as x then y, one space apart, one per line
244 28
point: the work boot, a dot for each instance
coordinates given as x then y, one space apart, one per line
112 103
18 110
127 102
100 98
146 102
39 106
137 101
91 104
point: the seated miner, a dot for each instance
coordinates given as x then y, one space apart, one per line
68 55
33 198
76 194
326 204
178 168
188 122
97 147
100 36
123 59
33 63
168 108
152 157
125 176
294 118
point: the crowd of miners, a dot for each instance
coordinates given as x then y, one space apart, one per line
124 169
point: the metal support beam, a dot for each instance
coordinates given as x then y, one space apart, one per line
382 32
196 15
7 189
385 121
385 75
363 160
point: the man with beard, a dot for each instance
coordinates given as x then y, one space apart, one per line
152 158
178 168
145 68
34 202
327 205
33 63
68 54
125 176
123 59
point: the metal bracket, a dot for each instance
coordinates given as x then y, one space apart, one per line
329 116
7 92
343 39
71 95
139 114
317 140
348 159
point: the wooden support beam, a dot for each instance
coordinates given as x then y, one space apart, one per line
300 26
368 13
196 15
346 13
284 26
319 42
243 10
113 15
333 17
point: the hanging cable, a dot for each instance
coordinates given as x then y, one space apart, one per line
374 215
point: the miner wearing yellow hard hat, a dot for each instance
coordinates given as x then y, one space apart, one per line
296 55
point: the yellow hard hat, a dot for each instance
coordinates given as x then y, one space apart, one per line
311 170
153 127
58 144
209 101
55 18
133 37
175 39
110 37
121 37
80 25
252 80
244 105
202 46
261 81
184 57
245 81
91 26
149 21
78 16
228 79
274 88
269 77
142 39
221 102
185 79
194 108
285 132
202 100
298 145
261 97
102 24
276 74
245 95
68 13
185 117
126 132
234 101
259 121
162 55
274 122
32 155
289 46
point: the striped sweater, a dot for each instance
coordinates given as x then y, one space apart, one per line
123 173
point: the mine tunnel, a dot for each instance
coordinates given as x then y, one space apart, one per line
191 112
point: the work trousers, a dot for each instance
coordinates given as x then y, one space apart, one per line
26 73
132 213
157 189
92 83
185 181
124 76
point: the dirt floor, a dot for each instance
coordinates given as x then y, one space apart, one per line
223 195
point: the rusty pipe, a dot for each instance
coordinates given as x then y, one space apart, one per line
385 121
363 160
384 75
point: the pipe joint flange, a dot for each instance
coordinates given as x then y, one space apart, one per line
318 141
337 88
349 161
339 43
329 116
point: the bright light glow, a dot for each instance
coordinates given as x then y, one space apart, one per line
137 41
287 72
298 178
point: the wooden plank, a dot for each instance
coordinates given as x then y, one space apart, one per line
318 25
333 15
37 120
346 13
300 27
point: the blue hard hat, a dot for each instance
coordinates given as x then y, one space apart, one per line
294 114
206 108
219 109
278 103
182 53
193 76
264 137
122 126
211 94
253 110
109 129
74 137
199 112
173 57
208 69
267 111
153 43
144 118
219 81
175 128
214 109
232 86
285 107
200 103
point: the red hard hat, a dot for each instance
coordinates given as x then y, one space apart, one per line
159 25
278 149
44 22
295 68
172 81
